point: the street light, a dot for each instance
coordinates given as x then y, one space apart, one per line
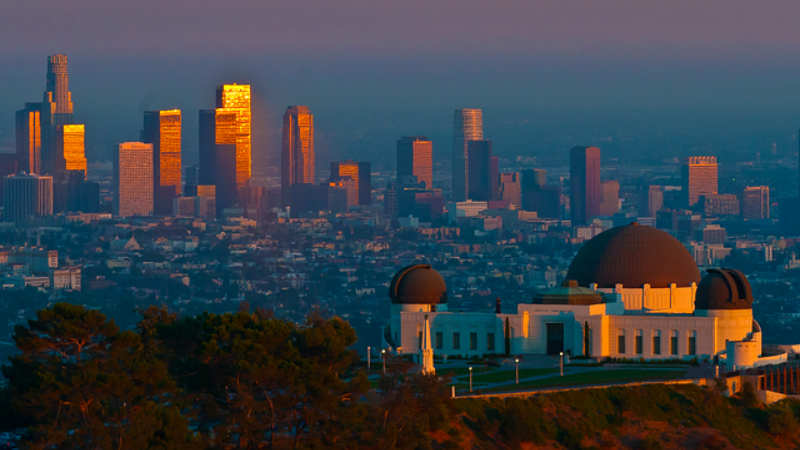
369 361
383 355
470 378
561 363
516 360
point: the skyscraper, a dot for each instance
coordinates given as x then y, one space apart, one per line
133 179
655 200
415 157
297 150
511 188
610 200
163 130
494 186
698 177
218 155
360 173
29 137
467 126
236 98
585 188
755 203
26 196
56 110
480 170
70 148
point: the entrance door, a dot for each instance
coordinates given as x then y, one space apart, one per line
555 338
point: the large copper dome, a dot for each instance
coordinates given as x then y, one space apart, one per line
418 284
634 255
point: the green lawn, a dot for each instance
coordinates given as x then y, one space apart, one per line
458 371
594 377
510 375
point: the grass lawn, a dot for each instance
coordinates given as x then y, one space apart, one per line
510 375
594 377
458 371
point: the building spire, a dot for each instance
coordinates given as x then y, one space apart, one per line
427 350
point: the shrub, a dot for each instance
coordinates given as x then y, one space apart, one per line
650 443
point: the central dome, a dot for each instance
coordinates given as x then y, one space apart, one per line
634 255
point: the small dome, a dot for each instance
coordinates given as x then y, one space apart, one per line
418 284
724 289
568 294
634 255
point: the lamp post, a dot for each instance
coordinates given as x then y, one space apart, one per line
383 355
470 378
561 363
516 360
369 361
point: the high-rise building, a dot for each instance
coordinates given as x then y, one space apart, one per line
480 171
236 98
70 148
717 205
533 177
218 155
297 150
545 201
585 188
698 177
8 166
511 188
415 158
56 110
467 126
494 185
610 202
133 179
655 200
26 196
755 203
163 130
360 173
29 138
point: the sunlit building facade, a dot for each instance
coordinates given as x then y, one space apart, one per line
70 146
698 178
511 188
297 150
415 158
755 203
29 138
360 173
133 179
467 126
56 110
236 98
163 130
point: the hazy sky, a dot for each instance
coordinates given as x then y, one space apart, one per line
399 65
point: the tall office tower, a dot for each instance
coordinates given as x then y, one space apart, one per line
698 177
532 179
610 201
467 126
584 181
415 158
297 150
191 178
133 179
716 205
545 201
755 203
360 173
29 138
218 155
236 98
70 148
26 196
511 188
480 171
495 178
655 201
163 130
56 110
8 166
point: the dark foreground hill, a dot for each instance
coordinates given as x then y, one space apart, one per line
645 417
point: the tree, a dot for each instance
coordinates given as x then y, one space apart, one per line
80 382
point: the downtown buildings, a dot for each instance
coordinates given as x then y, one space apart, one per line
585 185
133 179
698 178
162 129
415 158
298 163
